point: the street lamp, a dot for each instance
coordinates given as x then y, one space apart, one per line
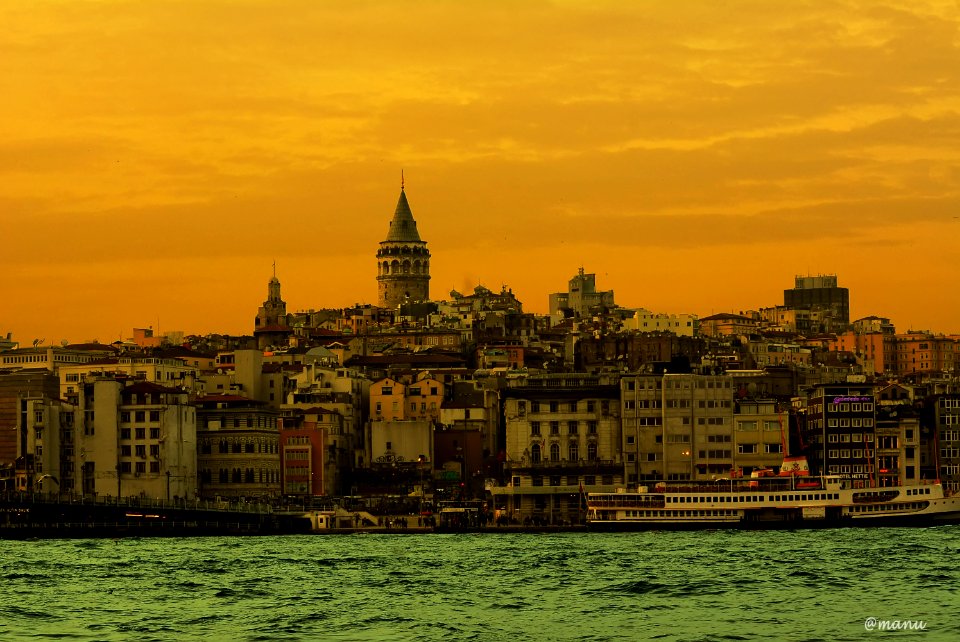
420 461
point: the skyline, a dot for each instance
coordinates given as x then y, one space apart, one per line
157 159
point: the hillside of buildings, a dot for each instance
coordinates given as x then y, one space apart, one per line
417 399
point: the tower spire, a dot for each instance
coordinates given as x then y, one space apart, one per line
401 180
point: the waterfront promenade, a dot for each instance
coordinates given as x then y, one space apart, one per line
54 515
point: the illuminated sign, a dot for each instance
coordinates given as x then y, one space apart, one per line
851 399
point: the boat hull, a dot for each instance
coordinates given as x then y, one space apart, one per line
884 521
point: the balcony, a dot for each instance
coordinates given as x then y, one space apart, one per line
546 467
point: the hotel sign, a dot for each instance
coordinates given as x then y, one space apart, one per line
852 399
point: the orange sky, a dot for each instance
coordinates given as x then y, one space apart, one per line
157 157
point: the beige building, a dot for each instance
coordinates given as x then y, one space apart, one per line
131 439
646 321
164 371
393 400
581 299
52 358
563 439
772 353
727 324
760 431
41 422
343 390
401 440
677 427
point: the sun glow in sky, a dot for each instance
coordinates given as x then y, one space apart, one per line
157 157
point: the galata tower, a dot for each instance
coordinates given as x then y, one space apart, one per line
403 261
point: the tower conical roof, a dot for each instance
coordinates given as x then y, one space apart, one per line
403 228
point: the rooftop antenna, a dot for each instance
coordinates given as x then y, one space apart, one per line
401 180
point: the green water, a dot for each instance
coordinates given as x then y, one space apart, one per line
711 585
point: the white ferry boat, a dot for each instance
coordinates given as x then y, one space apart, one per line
786 501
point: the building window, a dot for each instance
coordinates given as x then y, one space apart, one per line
141 433
592 427
154 433
534 427
554 427
573 452
592 452
141 451
554 452
124 433
140 416
535 453
141 467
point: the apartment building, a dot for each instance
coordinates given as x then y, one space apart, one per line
129 438
312 457
944 420
563 439
841 431
239 448
677 426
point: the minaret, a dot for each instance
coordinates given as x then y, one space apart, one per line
403 260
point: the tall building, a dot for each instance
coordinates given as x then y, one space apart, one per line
828 303
681 427
841 431
16 386
403 261
129 438
580 299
